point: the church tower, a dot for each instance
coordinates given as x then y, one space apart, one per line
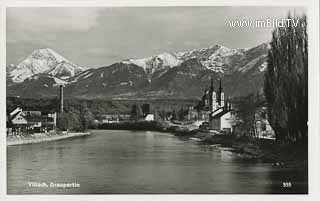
206 99
211 86
222 99
211 97
214 101
220 94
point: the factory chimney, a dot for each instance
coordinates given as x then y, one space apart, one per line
61 97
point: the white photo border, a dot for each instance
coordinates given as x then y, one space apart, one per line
313 112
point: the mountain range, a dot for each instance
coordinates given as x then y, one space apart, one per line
167 75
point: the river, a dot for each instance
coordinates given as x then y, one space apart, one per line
112 162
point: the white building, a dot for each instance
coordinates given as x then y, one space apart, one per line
149 117
18 118
28 120
222 120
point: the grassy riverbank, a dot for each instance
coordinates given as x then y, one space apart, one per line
279 154
42 137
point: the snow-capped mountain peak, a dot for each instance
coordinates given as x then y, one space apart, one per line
155 63
43 61
47 52
212 58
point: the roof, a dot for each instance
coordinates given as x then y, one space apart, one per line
34 118
15 114
15 111
37 118
33 112
220 114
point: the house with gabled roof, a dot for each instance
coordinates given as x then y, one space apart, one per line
31 121
222 120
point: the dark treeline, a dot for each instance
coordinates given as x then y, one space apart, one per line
96 106
286 82
79 114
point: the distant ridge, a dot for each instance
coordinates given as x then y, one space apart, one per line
166 75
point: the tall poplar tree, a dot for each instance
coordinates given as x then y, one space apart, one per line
286 81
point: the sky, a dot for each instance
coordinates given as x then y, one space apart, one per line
100 36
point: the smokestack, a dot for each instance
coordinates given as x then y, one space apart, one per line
61 98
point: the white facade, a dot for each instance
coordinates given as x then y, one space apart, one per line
264 129
222 99
222 120
19 119
110 121
227 121
54 116
149 117
214 101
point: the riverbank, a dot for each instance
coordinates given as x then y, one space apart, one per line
42 137
263 150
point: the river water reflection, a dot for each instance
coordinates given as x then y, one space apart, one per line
140 162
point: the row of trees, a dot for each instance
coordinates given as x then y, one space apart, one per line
75 118
138 112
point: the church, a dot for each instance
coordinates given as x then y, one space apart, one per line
215 109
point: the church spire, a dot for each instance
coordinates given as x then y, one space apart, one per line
220 94
220 87
211 87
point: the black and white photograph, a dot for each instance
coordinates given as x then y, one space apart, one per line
157 100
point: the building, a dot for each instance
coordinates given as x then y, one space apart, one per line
215 109
213 99
223 120
111 118
20 121
192 115
149 117
32 112
18 118
262 125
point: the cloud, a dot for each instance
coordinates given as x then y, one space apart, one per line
92 36
51 19
96 50
191 43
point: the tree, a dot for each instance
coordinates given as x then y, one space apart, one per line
146 109
86 116
286 81
246 114
62 121
69 121
181 114
136 112
174 115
